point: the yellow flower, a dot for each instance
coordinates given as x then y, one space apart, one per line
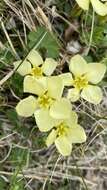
64 134
48 98
84 80
35 66
99 7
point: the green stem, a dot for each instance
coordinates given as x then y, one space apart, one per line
91 35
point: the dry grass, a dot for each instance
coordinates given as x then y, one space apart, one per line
24 161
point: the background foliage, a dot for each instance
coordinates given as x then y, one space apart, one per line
25 162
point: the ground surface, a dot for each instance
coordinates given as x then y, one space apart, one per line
25 162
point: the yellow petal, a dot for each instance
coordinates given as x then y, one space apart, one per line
76 134
49 66
63 145
78 65
24 68
27 106
44 121
92 94
51 138
31 85
84 4
43 81
55 87
99 8
34 58
61 109
72 119
96 72
67 79
73 94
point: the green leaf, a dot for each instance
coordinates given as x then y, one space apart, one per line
18 157
18 186
2 184
98 35
88 59
13 118
5 58
16 83
49 44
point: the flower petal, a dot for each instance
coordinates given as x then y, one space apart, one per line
72 119
67 79
92 94
73 94
78 65
34 58
61 109
99 7
43 81
63 145
51 138
76 134
27 106
84 4
96 72
44 121
32 85
24 68
55 87
49 66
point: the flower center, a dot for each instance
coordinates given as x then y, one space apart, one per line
80 82
37 72
45 101
62 129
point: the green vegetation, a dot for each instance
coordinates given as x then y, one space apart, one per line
58 29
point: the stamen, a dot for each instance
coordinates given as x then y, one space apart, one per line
80 82
62 129
45 101
37 72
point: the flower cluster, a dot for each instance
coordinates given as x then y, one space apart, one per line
47 101
99 7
